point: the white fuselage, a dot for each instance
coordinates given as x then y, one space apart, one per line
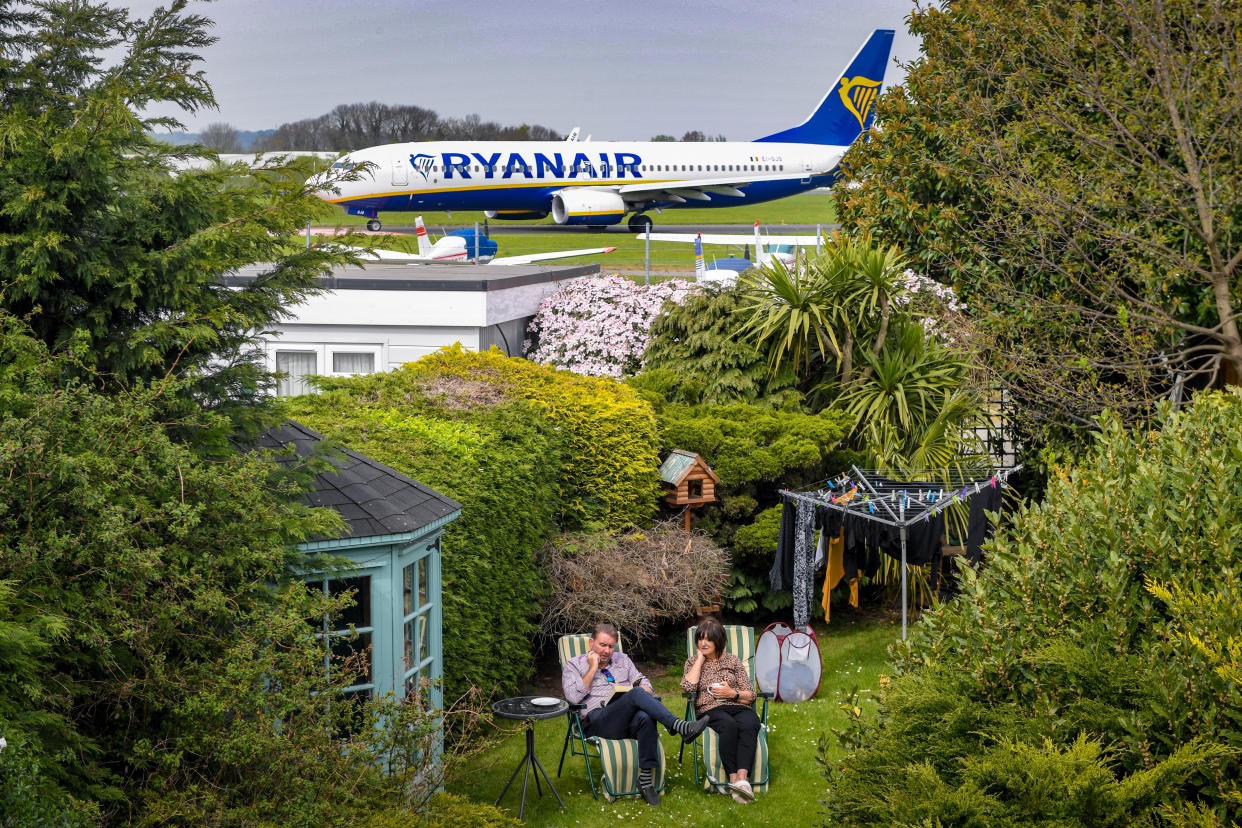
524 176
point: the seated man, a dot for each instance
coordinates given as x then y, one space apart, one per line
590 678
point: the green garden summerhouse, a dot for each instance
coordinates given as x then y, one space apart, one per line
392 539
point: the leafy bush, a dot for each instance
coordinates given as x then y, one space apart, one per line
599 325
527 450
755 451
609 446
1062 686
696 356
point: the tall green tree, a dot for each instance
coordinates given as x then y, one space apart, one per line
1073 170
158 663
105 238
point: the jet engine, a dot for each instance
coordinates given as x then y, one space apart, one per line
593 207
516 215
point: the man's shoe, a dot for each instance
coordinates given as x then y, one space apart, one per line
693 729
743 789
650 795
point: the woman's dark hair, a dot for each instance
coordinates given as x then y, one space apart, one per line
713 631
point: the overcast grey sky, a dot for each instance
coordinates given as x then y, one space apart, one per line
622 70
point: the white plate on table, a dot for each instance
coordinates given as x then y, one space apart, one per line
545 701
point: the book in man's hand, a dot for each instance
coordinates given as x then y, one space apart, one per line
617 691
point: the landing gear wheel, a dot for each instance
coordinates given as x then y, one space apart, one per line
639 223
374 225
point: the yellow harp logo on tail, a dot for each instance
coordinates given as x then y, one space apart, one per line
857 94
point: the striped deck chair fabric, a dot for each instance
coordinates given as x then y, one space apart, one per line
741 642
618 758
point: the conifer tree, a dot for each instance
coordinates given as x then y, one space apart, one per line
107 241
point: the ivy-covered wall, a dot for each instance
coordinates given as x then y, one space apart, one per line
528 451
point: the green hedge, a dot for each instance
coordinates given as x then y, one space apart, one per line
526 450
755 451
1067 684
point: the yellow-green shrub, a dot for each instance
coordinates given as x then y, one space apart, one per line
526 450
609 439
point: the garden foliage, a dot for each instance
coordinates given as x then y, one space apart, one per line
755 450
106 240
695 356
527 450
1088 675
1071 169
156 639
600 325
635 578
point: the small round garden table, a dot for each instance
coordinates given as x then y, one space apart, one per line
528 709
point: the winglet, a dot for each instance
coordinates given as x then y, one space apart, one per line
846 110
700 270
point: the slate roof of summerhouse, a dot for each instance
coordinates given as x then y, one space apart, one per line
374 500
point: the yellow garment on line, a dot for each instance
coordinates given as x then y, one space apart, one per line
836 571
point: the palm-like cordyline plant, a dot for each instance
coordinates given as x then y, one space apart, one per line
828 312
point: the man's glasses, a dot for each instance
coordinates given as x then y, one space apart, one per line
607 674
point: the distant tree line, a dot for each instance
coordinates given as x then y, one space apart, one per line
357 125
692 135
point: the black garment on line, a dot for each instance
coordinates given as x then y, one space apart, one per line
979 528
781 575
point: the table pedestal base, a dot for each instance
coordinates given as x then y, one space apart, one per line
527 761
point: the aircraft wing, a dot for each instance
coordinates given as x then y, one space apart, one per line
729 238
701 189
539 257
376 254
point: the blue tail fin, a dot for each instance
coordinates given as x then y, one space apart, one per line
846 109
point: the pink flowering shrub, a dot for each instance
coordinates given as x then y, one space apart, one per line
599 325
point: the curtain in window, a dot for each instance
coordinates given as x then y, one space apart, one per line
347 363
296 365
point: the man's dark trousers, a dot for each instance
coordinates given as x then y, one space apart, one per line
633 716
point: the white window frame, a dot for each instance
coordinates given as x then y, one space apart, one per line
376 351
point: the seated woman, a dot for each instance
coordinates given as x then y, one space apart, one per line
726 698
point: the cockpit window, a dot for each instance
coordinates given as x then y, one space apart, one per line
338 165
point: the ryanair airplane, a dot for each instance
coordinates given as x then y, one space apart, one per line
597 184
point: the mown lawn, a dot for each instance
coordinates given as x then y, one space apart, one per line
854 655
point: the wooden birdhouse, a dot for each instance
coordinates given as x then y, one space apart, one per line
688 482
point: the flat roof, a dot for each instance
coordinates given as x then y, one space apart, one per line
440 277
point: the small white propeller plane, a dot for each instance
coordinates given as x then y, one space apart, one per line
768 249
458 247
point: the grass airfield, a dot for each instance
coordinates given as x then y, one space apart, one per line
666 257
